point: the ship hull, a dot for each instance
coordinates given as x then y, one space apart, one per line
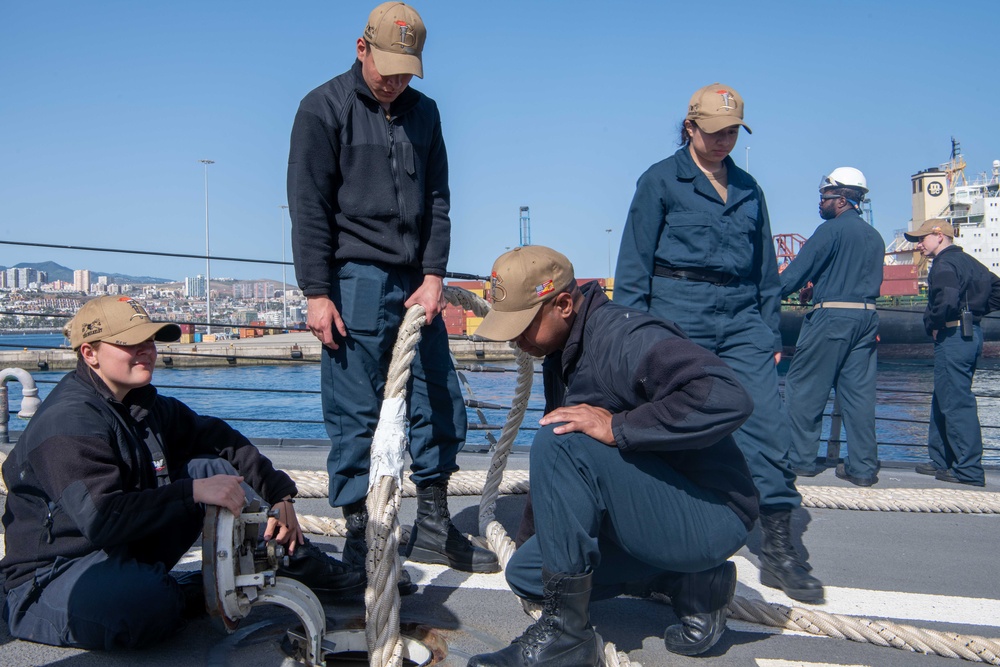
899 329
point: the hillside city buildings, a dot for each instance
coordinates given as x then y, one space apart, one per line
26 297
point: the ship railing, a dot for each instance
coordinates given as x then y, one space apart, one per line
489 415
484 417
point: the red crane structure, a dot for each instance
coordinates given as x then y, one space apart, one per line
786 247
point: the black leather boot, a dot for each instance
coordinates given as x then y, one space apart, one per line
434 539
562 637
322 573
192 585
356 545
780 565
700 600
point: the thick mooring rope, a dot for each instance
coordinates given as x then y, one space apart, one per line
864 630
314 484
385 648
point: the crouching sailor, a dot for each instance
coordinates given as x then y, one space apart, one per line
635 478
107 488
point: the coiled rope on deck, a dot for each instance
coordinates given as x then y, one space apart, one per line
864 630
313 484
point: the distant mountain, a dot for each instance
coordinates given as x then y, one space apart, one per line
59 272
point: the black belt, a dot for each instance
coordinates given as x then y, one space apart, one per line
717 278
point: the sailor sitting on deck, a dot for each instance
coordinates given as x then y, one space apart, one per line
107 490
635 477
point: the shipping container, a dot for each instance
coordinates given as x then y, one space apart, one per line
900 288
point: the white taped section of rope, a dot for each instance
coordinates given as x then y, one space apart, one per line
389 443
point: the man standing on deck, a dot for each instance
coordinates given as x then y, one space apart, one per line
837 344
368 197
959 292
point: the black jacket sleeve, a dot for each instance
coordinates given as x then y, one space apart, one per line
313 175
692 400
187 434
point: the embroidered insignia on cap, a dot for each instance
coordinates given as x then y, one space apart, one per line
497 290
545 288
91 328
726 99
139 312
407 39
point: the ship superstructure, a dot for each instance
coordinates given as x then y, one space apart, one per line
972 206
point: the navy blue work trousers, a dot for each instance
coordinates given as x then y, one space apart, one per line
726 321
625 517
370 299
955 439
121 596
836 348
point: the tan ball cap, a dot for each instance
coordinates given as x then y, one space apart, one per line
522 280
397 35
119 320
715 108
932 226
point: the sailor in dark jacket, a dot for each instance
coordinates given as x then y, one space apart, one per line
635 478
696 250
838 342
107 488
368 197
957 284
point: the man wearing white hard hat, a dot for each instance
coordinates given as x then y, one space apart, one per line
837 344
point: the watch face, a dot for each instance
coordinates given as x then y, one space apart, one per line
935 189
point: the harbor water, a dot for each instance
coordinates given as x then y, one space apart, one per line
283 402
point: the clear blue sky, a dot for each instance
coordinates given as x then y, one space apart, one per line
107 106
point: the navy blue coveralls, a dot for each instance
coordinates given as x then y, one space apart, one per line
837 344
673 494
957 282
723 293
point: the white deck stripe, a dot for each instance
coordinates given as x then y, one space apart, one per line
771 662
877 604
911 607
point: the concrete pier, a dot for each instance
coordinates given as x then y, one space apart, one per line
278 349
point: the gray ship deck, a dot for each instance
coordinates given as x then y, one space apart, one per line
934 571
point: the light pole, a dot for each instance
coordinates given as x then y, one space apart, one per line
208 260
609 252
284 287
